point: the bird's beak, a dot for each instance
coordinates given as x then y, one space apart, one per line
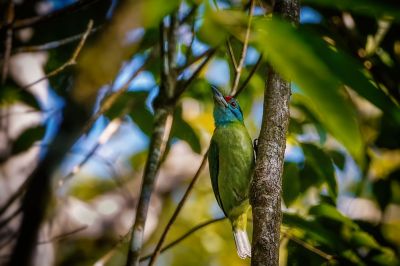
218 97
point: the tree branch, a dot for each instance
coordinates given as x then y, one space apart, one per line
183 85
53 44
162 128
63 235
8 219
103 260
266 186
231 54
164 106
195 59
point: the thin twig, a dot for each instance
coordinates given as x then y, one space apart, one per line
183 85
7 239
306 245
107 133
195 60
63 235
248 78
14 197
183 237
103 260
238 69
231 54
112 98
189 14
177 210
8 41
193 32
25 112
8 219
29 22
53 44
70 62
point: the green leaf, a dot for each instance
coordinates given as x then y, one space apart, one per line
10 94
182 130
27 139
353 257
298 252
377 9
363 239
328 211
211 30
290 183
322 165
387 257
306 61
153 10
143 118
313 230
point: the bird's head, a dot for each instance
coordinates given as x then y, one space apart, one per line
226 108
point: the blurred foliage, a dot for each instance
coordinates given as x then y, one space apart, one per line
344 134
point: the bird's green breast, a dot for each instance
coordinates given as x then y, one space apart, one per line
235 167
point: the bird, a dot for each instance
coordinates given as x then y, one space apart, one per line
231 164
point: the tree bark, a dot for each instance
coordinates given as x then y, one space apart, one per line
266 187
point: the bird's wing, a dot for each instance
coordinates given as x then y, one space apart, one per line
213 162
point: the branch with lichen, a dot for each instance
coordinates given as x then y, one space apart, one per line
163 117
170 90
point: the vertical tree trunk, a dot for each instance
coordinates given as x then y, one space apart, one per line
266 186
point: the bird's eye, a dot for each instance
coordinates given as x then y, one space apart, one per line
233 104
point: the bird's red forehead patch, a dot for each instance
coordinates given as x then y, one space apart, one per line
228 98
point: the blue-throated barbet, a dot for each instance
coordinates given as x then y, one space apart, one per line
231 163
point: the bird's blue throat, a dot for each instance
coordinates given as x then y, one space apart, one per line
225 115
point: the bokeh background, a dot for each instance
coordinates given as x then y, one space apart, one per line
341 184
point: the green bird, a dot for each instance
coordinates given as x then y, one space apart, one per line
231 164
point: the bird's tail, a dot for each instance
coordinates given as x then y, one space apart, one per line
242 242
